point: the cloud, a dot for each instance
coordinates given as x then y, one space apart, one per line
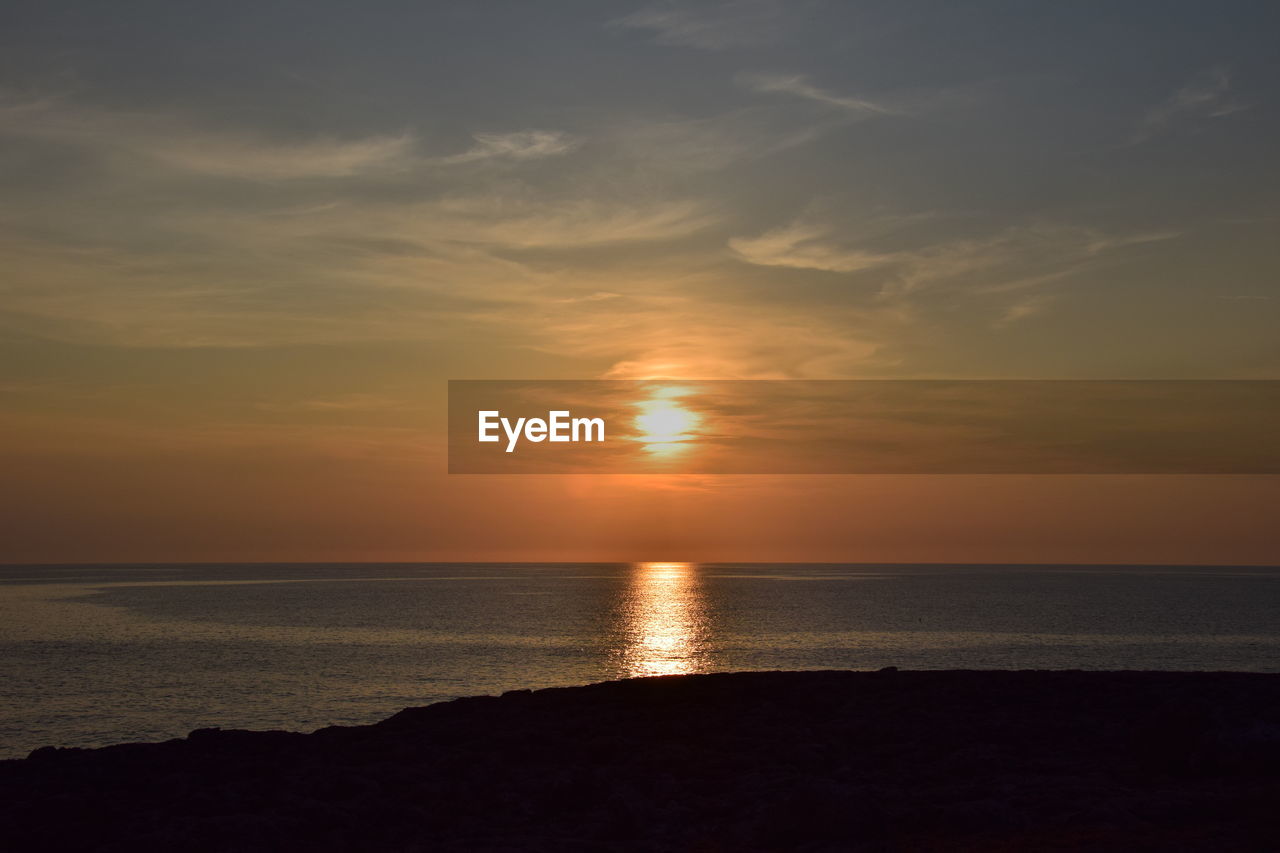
711 142
515 223
714 142
1004 265
1208 95
669 332
352 271
1023 308
174 142
186 235
801 245
310 159
799 86
169 141
709 26
806 245
146 229
521 145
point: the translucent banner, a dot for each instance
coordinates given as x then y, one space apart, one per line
864 427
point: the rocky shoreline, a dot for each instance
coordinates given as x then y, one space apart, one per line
819 761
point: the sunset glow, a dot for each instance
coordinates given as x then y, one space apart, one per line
236 288
666 427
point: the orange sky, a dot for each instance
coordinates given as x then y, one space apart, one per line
242 258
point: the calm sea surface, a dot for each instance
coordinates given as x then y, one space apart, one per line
91 655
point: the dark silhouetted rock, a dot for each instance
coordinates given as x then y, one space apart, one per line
814 761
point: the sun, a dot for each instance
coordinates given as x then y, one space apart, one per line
664 422
666 426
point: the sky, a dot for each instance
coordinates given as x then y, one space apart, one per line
245 245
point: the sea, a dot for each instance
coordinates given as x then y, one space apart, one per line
99 654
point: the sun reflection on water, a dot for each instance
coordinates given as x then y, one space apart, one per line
664 621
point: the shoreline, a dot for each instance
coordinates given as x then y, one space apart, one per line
810 760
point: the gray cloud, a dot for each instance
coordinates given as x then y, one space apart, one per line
799 86
1207 95
521 145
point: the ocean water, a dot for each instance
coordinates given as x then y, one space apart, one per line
92 655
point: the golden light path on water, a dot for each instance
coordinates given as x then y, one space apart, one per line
664 620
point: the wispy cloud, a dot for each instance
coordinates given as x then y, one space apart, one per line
169 141
176 234
1208 95
799 86
712 142
515 223
1023 308
1005 265
322 158
709 25
733 137
521 145
803 245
